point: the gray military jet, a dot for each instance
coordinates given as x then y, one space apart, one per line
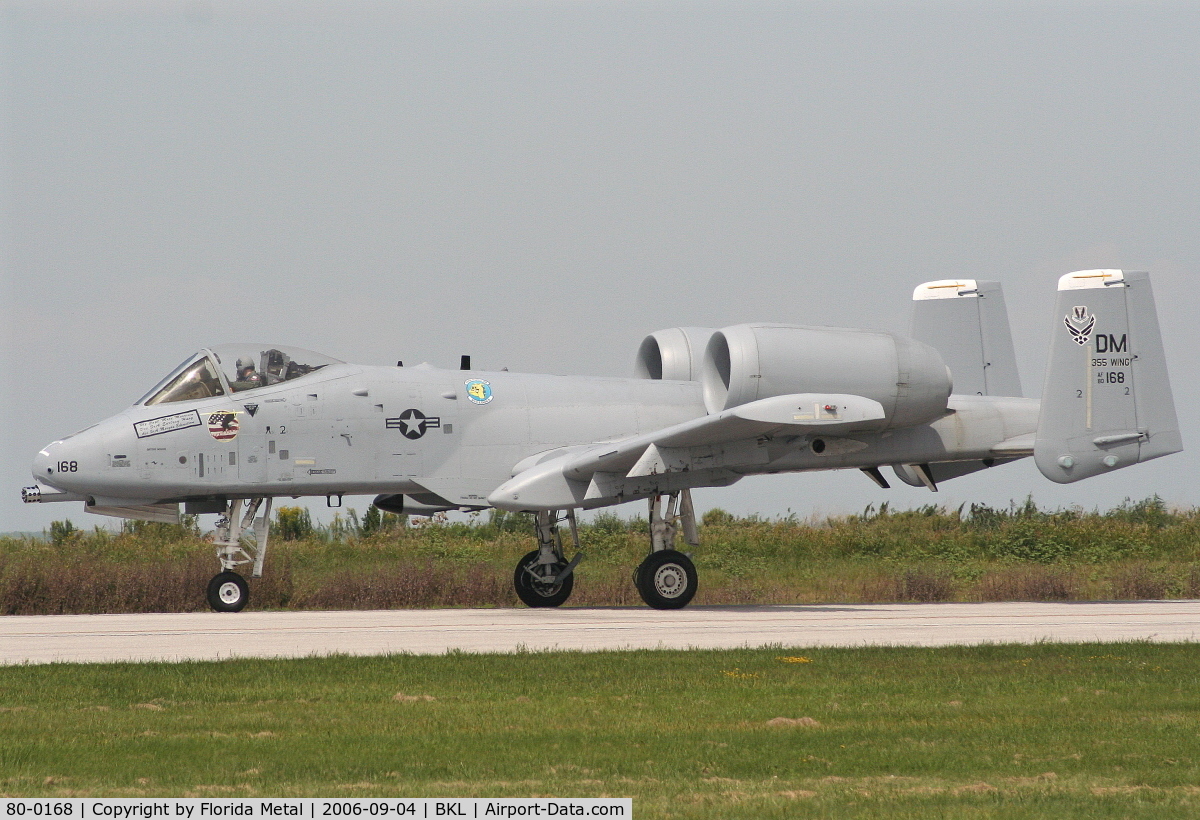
236 426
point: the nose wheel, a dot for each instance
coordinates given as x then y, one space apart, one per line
228 592
544 577
537 585
240 539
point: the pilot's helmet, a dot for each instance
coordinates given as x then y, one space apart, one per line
245 369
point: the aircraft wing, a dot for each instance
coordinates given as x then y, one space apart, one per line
713 441
658 452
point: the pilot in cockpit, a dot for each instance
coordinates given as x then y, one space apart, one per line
248 377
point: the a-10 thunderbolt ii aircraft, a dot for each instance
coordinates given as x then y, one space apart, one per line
236 426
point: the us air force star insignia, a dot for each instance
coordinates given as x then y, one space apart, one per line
413 423
1080 324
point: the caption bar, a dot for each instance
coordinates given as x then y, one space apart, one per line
198 808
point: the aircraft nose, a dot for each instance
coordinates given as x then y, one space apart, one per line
78 463
42 469
52 464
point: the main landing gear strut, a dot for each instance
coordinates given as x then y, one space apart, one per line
665 580
228 591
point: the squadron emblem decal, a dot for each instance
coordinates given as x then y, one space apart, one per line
223 426
479 391
1080 324
413 423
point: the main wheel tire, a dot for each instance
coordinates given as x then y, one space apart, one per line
667 579
228 592
534 593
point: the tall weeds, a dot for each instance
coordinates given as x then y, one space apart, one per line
1138 550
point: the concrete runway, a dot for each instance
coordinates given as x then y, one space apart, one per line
207 636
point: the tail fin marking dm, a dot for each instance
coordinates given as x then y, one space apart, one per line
1106 402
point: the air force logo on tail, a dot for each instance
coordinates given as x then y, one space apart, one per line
1080 323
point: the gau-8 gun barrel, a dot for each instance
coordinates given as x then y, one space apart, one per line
38 494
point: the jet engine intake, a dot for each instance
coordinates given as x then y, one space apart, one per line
744 363
674 354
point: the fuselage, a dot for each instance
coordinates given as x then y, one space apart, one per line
236 426
348 429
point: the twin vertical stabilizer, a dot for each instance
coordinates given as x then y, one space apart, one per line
1107 402
966 321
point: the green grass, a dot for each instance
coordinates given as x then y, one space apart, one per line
1137 550
1093 730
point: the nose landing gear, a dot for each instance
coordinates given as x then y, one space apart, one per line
228 591
544 577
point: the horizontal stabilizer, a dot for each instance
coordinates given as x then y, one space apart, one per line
1107 399
1016 447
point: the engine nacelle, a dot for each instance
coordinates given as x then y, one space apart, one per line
674 354
744 363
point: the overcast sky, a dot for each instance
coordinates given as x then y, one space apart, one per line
541 184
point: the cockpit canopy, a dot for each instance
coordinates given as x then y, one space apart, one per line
234 368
